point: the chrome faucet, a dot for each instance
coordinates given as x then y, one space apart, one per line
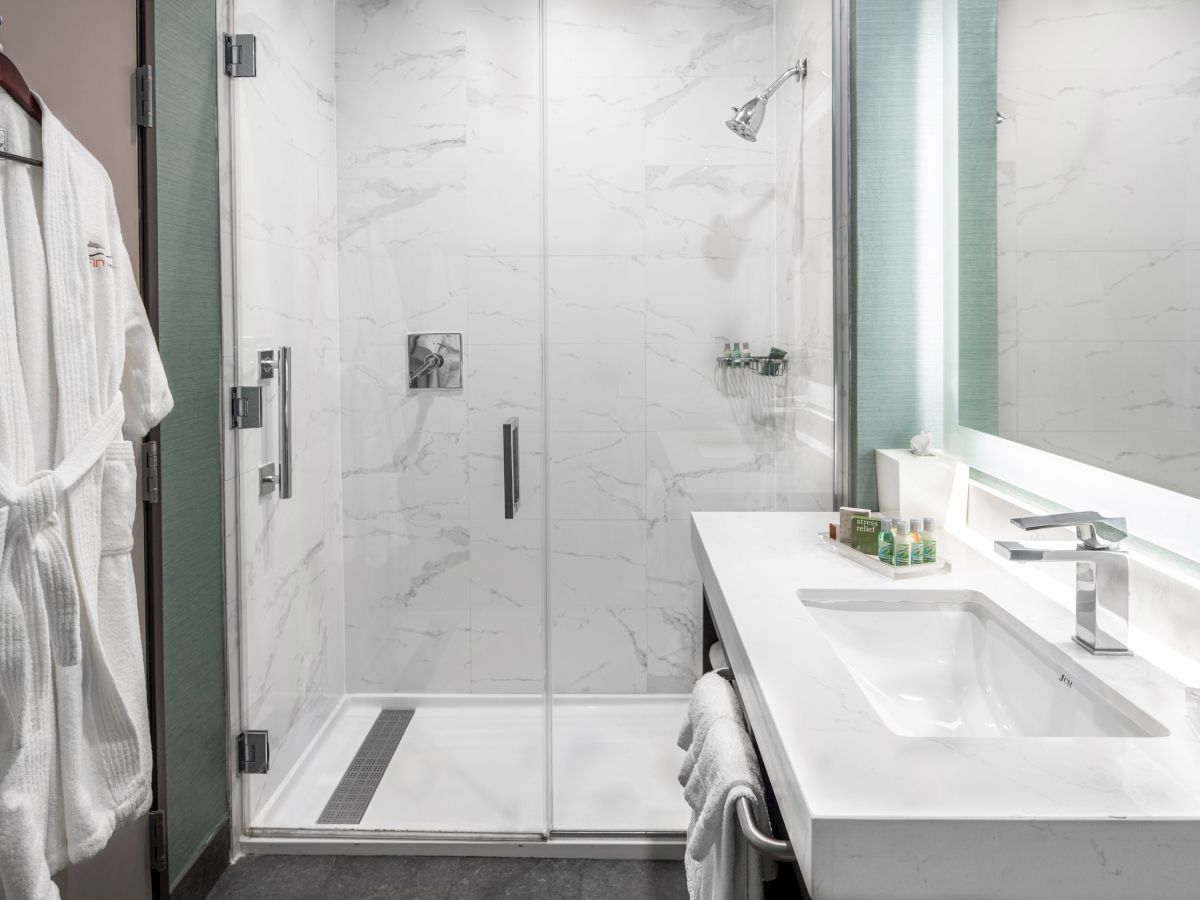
1101 574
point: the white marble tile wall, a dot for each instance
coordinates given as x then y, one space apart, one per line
286 556
661 229
660 250
804 245
662 241
1099 238
438 122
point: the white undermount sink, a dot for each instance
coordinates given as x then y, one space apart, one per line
951 663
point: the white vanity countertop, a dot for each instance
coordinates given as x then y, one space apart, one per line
873 813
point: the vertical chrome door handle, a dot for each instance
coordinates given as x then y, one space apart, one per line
512 467
285 423
272 476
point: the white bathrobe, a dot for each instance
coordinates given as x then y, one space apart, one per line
80 379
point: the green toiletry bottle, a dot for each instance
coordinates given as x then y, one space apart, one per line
902 543
727 355
916 549
929 541
887 543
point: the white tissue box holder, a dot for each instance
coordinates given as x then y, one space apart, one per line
914 486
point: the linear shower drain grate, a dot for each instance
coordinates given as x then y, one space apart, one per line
354 792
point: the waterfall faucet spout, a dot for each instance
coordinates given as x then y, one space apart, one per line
1101 574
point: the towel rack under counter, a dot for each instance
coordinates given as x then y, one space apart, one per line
764 843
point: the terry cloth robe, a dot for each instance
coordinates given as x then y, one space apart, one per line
80 379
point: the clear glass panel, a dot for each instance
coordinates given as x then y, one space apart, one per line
392 579
555 182
663 229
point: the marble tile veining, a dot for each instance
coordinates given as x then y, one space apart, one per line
418 142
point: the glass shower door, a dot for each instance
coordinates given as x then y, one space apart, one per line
387 211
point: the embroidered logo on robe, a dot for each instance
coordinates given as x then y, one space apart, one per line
98 257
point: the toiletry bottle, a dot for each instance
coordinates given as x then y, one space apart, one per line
902 540
887 543
929 540
916 549
727 355
741 355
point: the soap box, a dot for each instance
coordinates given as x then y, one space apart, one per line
864 534
845 523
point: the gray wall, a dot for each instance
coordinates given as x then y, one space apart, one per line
79 55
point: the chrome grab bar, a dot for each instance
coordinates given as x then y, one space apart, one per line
278 475
285 423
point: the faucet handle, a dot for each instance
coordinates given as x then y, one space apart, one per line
1096 532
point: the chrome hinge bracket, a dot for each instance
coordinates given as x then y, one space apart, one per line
157 821
254 753
241 55
143 90
150 471
245 406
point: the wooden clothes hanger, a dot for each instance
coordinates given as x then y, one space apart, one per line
15 86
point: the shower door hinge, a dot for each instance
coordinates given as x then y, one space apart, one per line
158 840
143 91
245 407
254 753
149 471
241 55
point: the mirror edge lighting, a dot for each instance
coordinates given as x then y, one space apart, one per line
1156 515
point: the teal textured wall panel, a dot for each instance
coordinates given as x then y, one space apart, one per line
190 337
978 346
897 104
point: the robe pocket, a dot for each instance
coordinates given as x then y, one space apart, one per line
118 498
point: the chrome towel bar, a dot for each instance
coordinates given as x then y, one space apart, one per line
763 843
766 844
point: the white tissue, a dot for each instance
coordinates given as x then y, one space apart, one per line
921 444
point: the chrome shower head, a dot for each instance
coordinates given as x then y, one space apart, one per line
748 118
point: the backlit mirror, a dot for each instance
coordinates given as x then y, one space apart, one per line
1079 230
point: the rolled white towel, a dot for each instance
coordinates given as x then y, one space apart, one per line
713 699
720 863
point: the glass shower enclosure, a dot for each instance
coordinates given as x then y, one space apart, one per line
482 257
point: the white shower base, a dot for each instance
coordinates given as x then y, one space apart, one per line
474 765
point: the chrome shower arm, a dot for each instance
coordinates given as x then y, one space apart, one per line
799 71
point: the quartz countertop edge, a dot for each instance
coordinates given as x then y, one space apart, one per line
859 802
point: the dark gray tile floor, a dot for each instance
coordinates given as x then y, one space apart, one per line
448 878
